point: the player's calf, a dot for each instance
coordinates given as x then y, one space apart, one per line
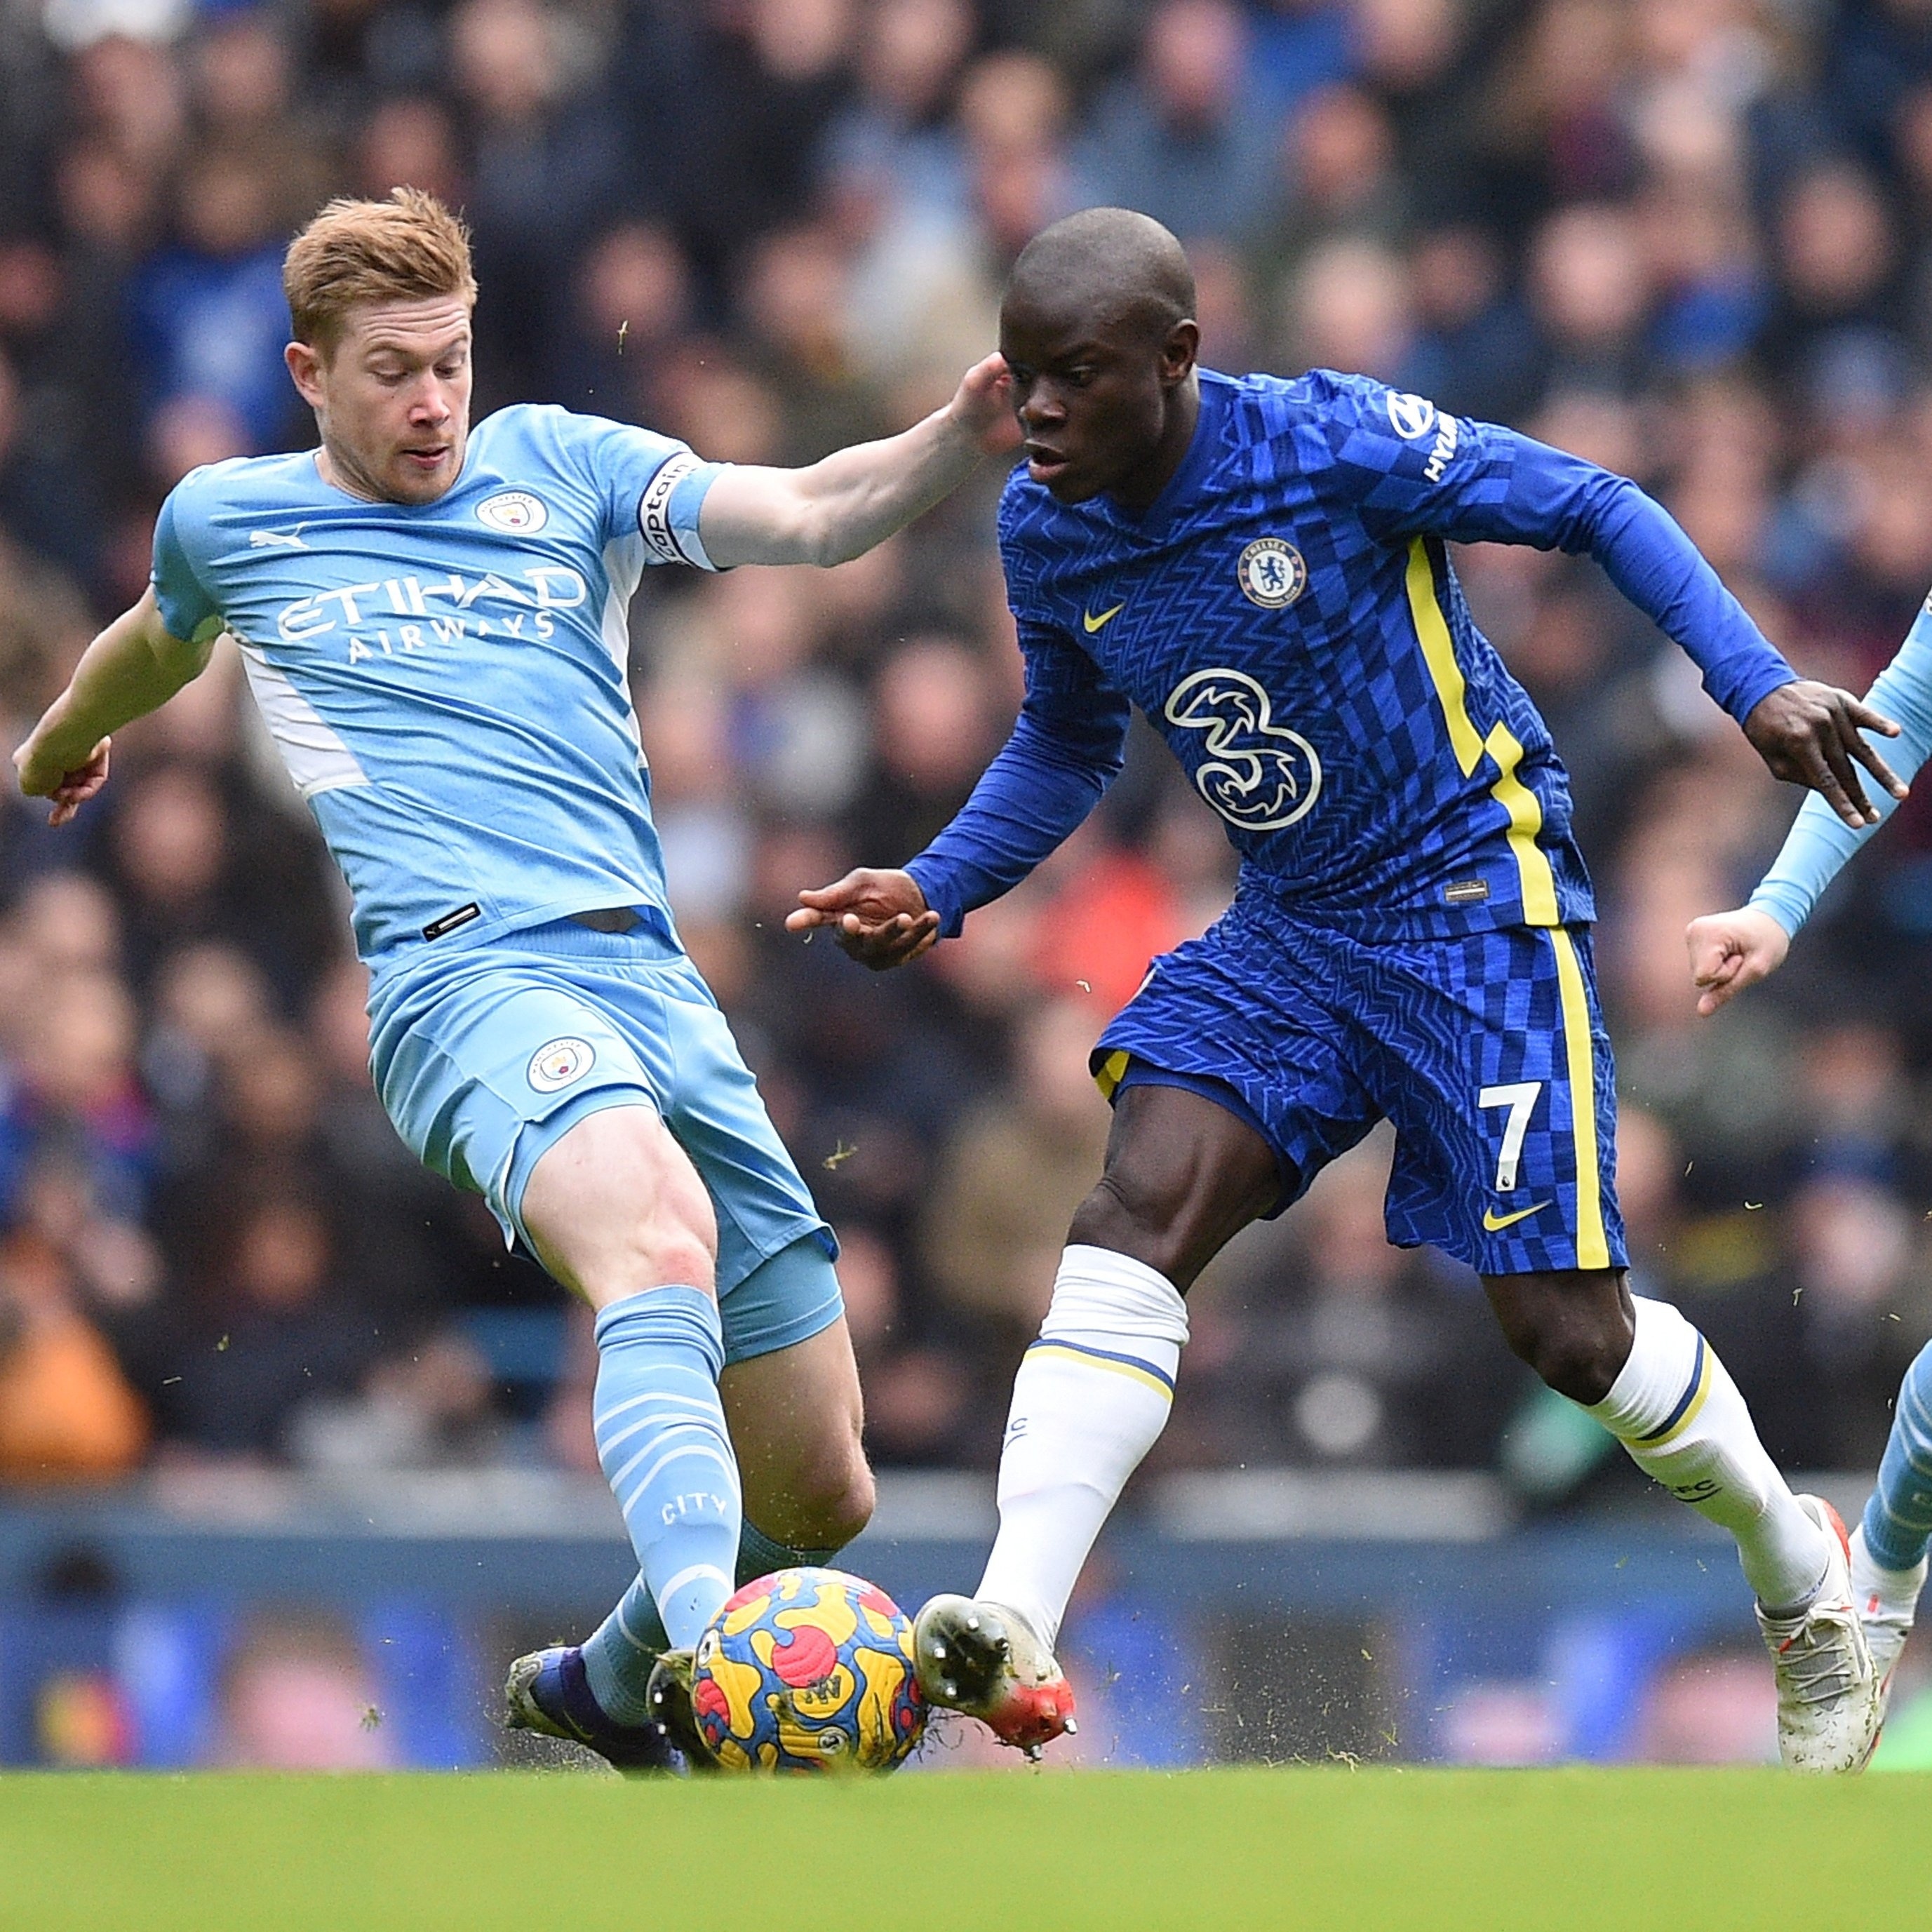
1681 1420
1889 1548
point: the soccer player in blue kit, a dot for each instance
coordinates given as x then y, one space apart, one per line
1731 950
1260 566
433 622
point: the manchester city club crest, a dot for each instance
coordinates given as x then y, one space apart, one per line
515 512
1271 573
557 1065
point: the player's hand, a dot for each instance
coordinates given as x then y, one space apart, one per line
982 406
1731 950
881 918
1808 734
44 775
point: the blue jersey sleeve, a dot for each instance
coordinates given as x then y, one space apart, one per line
1819 842
1412 470
1067 748
650 485
187 609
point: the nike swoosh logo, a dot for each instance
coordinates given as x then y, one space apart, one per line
1494 1223
1105 617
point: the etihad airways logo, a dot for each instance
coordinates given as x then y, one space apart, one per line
392 615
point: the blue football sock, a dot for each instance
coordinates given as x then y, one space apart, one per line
661 1439
618 1655
1898 1518
759 1554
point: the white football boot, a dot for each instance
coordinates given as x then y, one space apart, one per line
1828 1692
1886 1600
984 1659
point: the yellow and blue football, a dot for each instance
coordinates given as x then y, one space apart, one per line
808 1670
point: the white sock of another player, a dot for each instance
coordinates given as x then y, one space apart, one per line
1091 1398
1675 1407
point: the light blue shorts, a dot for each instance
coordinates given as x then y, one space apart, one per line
485 1057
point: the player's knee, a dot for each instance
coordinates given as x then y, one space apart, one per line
834 1497
1577 1355
1131 1214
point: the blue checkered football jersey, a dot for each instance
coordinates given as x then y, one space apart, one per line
1285 614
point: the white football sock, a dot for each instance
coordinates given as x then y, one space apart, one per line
1675 1407
1091 1398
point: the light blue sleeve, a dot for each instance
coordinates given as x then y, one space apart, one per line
651 485
1819 842
186 607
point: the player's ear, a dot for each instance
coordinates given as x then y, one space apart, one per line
304 365
1178 352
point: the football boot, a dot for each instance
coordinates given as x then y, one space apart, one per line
1828 1692
984 1659
548 1693
668 1694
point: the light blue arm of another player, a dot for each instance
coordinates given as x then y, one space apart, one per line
838 508
1066 748
1818 843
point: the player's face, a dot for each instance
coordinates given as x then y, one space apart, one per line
392 398
1095 401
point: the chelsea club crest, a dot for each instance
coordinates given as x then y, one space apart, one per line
1271 573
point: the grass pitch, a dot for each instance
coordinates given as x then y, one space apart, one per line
1330 1848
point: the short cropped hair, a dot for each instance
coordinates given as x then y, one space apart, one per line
408 248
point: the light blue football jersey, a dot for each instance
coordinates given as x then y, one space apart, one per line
446 681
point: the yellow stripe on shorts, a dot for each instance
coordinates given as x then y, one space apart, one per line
1593 1246
1113 1070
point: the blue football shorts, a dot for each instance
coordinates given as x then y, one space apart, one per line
1487 1051
486 1057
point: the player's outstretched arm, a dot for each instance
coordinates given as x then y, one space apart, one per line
1480 482
1731 950
833 511
881 918
133 667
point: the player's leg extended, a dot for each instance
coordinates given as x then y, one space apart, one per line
795 1417
789 1385
1531 1167
616 1211
1889 1548
1643 1371
1649 1377
1183 1175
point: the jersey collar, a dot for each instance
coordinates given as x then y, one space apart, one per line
1202 447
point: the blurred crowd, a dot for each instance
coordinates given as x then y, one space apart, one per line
1691 239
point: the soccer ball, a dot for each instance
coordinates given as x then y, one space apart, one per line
808 1670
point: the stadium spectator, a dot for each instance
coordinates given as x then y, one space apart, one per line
1687 241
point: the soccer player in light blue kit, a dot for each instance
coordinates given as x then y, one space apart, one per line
1731 950
434 625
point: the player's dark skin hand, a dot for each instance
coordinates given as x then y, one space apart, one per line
880 918
1809 734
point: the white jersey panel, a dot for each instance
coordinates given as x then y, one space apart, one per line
317 760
